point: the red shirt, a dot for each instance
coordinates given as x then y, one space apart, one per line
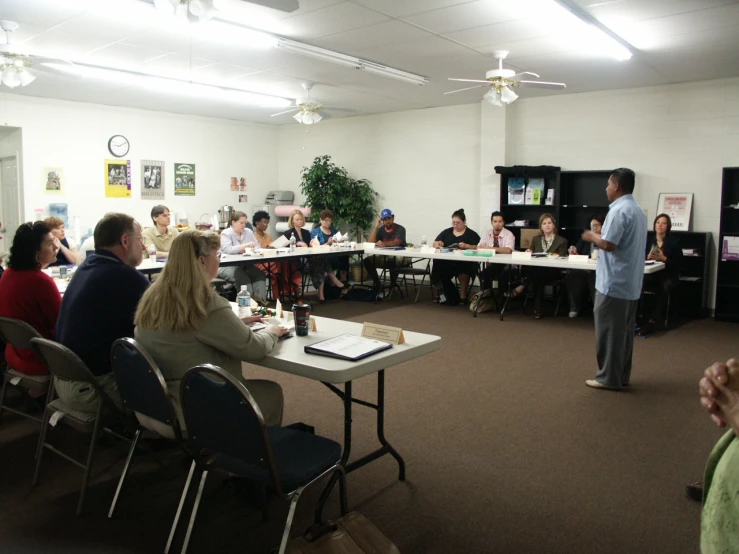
31 296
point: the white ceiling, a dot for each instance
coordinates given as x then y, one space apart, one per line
674 41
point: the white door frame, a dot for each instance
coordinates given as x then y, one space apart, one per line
19 207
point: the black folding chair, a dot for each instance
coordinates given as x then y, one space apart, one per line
226 431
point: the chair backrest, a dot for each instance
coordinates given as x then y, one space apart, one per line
222 417
62 362
141 384
17 333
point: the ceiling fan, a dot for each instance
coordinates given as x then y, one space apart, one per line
311 110
16 60
502 82
204 10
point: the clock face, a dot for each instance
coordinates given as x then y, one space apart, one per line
118 146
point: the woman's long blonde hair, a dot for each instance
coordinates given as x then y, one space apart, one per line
178 299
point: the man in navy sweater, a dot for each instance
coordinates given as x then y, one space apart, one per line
99 305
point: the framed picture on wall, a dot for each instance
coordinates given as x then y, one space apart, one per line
678 205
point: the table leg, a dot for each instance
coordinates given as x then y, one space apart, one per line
386 448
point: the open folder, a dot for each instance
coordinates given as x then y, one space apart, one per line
347 347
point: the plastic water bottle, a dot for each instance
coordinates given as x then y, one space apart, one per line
594 253
242 299
153 254
423 241
292 243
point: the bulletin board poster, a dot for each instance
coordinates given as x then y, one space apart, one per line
118 178
53 178
184 179
152 180
678 207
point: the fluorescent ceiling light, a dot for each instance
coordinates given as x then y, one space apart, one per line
176 87
581 30
350 61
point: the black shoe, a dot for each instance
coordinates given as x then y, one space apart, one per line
694 491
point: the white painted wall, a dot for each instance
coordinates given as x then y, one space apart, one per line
676 138
424 163
75 136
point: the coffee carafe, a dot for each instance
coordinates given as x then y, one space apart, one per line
224 216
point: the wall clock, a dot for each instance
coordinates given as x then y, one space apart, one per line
118 146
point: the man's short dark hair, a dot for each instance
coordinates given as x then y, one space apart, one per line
109 230
497 213
259 216
235 216
625 178
158 210
26 244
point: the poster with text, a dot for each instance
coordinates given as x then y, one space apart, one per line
678 206
118 178
152 180
184 179
53 177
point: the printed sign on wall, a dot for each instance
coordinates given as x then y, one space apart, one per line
152 180
184 179
118 178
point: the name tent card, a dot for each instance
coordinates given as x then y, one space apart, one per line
520 255
384 333
577 259
428 250
278 310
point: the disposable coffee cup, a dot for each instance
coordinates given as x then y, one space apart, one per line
301 315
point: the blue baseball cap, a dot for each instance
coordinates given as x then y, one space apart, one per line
387 212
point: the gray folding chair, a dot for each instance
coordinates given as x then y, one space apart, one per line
66 366
226 431
144 393
19 334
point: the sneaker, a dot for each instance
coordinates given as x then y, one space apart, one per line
573 315
598 385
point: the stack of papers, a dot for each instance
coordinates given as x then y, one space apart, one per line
347 347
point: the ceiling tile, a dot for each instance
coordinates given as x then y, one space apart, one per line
400 8
59 44
122 55
179 67
471 14
39 12
327 21
381 34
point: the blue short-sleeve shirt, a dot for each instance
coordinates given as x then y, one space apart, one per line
620 273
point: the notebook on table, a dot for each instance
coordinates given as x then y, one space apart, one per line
347 347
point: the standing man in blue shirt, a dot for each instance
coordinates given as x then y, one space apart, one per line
618 281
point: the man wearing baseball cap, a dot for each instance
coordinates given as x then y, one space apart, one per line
386 234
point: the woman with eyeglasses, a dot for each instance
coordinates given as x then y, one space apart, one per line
182 322
461 237
29 294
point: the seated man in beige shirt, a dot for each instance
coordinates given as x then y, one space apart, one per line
161 235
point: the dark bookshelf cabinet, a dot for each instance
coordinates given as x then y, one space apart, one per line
727 273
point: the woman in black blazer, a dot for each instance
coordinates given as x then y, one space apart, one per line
664 248
546 241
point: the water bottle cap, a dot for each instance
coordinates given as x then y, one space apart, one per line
243 287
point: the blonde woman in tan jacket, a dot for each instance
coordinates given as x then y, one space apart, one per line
181 322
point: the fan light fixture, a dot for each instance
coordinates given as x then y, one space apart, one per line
13 70
190 10
307 118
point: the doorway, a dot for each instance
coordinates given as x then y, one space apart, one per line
10 206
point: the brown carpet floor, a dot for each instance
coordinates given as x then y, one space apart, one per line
507 451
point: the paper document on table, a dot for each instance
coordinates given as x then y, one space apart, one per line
280 241
347 347
258 325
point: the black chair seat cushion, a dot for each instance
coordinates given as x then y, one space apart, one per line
300 457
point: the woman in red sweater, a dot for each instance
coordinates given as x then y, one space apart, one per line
28 294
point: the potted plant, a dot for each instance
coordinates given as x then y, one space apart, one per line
326 185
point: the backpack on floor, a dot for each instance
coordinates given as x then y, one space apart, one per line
361 293
350 534
483 301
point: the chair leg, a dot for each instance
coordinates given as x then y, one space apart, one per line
195 507
342 491
179 508
667 310
124 473
2 397
90 456
40 448
290 516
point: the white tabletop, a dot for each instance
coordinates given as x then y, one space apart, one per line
458 256
289 355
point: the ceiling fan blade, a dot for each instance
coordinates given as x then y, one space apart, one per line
339 109
286 111
518 76
542 84
469 80
281 5
468 88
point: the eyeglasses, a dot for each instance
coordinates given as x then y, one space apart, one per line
218 254
140 237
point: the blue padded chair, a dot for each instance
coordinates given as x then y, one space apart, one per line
144 393
226 431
